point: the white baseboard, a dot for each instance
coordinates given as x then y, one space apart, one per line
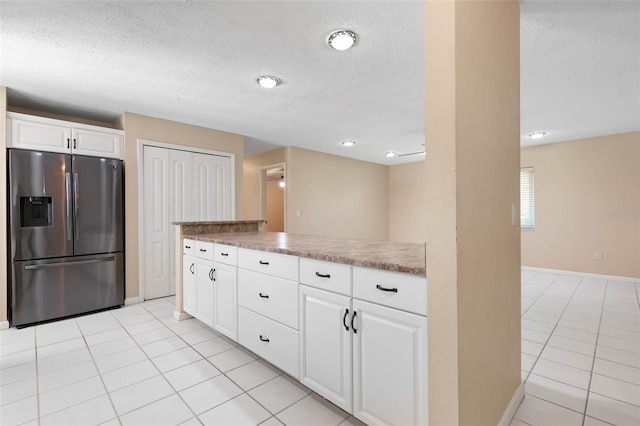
516 399
131 301
4 325
181 315
582 274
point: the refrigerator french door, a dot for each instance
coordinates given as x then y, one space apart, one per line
66 225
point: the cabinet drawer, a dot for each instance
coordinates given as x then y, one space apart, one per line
279 265
397 290
272 297
188 247
225 254
330 276
204 250
38 136
273 341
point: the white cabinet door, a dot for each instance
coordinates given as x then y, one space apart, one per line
180 181
204 291
156 222
212 187
390 366
325 344
189 284
172 192
225 300
96 144
39 136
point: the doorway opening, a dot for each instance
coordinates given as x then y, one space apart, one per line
273 197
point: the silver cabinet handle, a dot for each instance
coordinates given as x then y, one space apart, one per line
75 207
61 264
67 181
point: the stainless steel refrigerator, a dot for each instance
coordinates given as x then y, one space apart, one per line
66 235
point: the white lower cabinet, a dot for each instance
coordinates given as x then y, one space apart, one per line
225 300
189 284
204 291
357 336
269 339
389 366
325 344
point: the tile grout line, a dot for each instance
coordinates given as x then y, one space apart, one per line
553 329
595 351
157 369
98 370
245 392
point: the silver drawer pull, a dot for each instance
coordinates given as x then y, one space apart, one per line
63 264
393 290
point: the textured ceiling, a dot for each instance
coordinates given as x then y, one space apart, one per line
197 62
580 68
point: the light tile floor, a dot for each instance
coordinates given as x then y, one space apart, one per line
139 366
580 351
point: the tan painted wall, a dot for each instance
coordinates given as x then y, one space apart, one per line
587 199
3 204
275 207
472 177
336 196
251 193
154 129
407 198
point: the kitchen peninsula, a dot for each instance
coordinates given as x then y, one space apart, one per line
347 318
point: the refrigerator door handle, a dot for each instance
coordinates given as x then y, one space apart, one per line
67 181
75 206
61 264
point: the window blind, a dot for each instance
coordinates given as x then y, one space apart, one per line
526 198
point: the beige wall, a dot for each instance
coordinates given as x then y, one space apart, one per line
158 130
472 179
275 207
252 168
407 198
3 204
336 196
587 199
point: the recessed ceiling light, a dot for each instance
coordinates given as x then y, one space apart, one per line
537 135
348 143
342 39
268 81
281 184
390 154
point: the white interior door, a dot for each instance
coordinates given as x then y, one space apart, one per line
178 185
156 222
212 187
180 202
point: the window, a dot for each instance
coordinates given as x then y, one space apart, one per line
526 198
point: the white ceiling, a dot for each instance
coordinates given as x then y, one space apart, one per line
197 62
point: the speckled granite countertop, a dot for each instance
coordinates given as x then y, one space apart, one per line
391 256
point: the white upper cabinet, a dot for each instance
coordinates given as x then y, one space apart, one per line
47 134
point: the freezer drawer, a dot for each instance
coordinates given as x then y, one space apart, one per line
42 290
